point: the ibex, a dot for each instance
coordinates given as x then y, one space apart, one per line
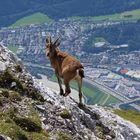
65 66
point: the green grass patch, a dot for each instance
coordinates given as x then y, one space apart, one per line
64 136
65 114
20 127
28 124
7 78
129 115
12 130
93 94
133 15
38 136
13 48
36 18
10 95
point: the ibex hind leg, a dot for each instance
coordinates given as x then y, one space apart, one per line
62 92
78 78
79 82
67 87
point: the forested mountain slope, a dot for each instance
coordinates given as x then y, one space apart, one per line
10 11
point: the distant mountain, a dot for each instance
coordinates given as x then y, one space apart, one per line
11 11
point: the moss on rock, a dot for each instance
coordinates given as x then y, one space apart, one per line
100 132
28 124
10 94
6 80
12 130
18 68
38 136
34 94
11 82
65 114
2 100
64 136
20 127
129 115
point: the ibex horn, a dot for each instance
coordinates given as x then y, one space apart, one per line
56 42
50 39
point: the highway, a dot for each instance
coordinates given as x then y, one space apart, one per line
133 105
39 66
107 90
133 101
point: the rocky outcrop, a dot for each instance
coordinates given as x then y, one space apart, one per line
36 108
2 137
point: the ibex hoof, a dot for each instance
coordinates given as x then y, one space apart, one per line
66 94
62 92
81 105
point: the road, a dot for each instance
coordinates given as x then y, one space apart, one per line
39 66
133 101
107 90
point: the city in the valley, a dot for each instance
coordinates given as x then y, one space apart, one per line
112 69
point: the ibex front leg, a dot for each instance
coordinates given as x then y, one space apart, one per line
60 84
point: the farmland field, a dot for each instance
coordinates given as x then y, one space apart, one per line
36 18
129 115
133 15
13 48
40 18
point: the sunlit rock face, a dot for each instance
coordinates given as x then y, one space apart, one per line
59 116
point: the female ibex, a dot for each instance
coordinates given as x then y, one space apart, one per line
65 66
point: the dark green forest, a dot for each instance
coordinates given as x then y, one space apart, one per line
12 10
124 33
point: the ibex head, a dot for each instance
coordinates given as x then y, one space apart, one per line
51 46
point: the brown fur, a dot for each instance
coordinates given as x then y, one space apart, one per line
66 67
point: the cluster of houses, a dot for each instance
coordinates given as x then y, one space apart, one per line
124 86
